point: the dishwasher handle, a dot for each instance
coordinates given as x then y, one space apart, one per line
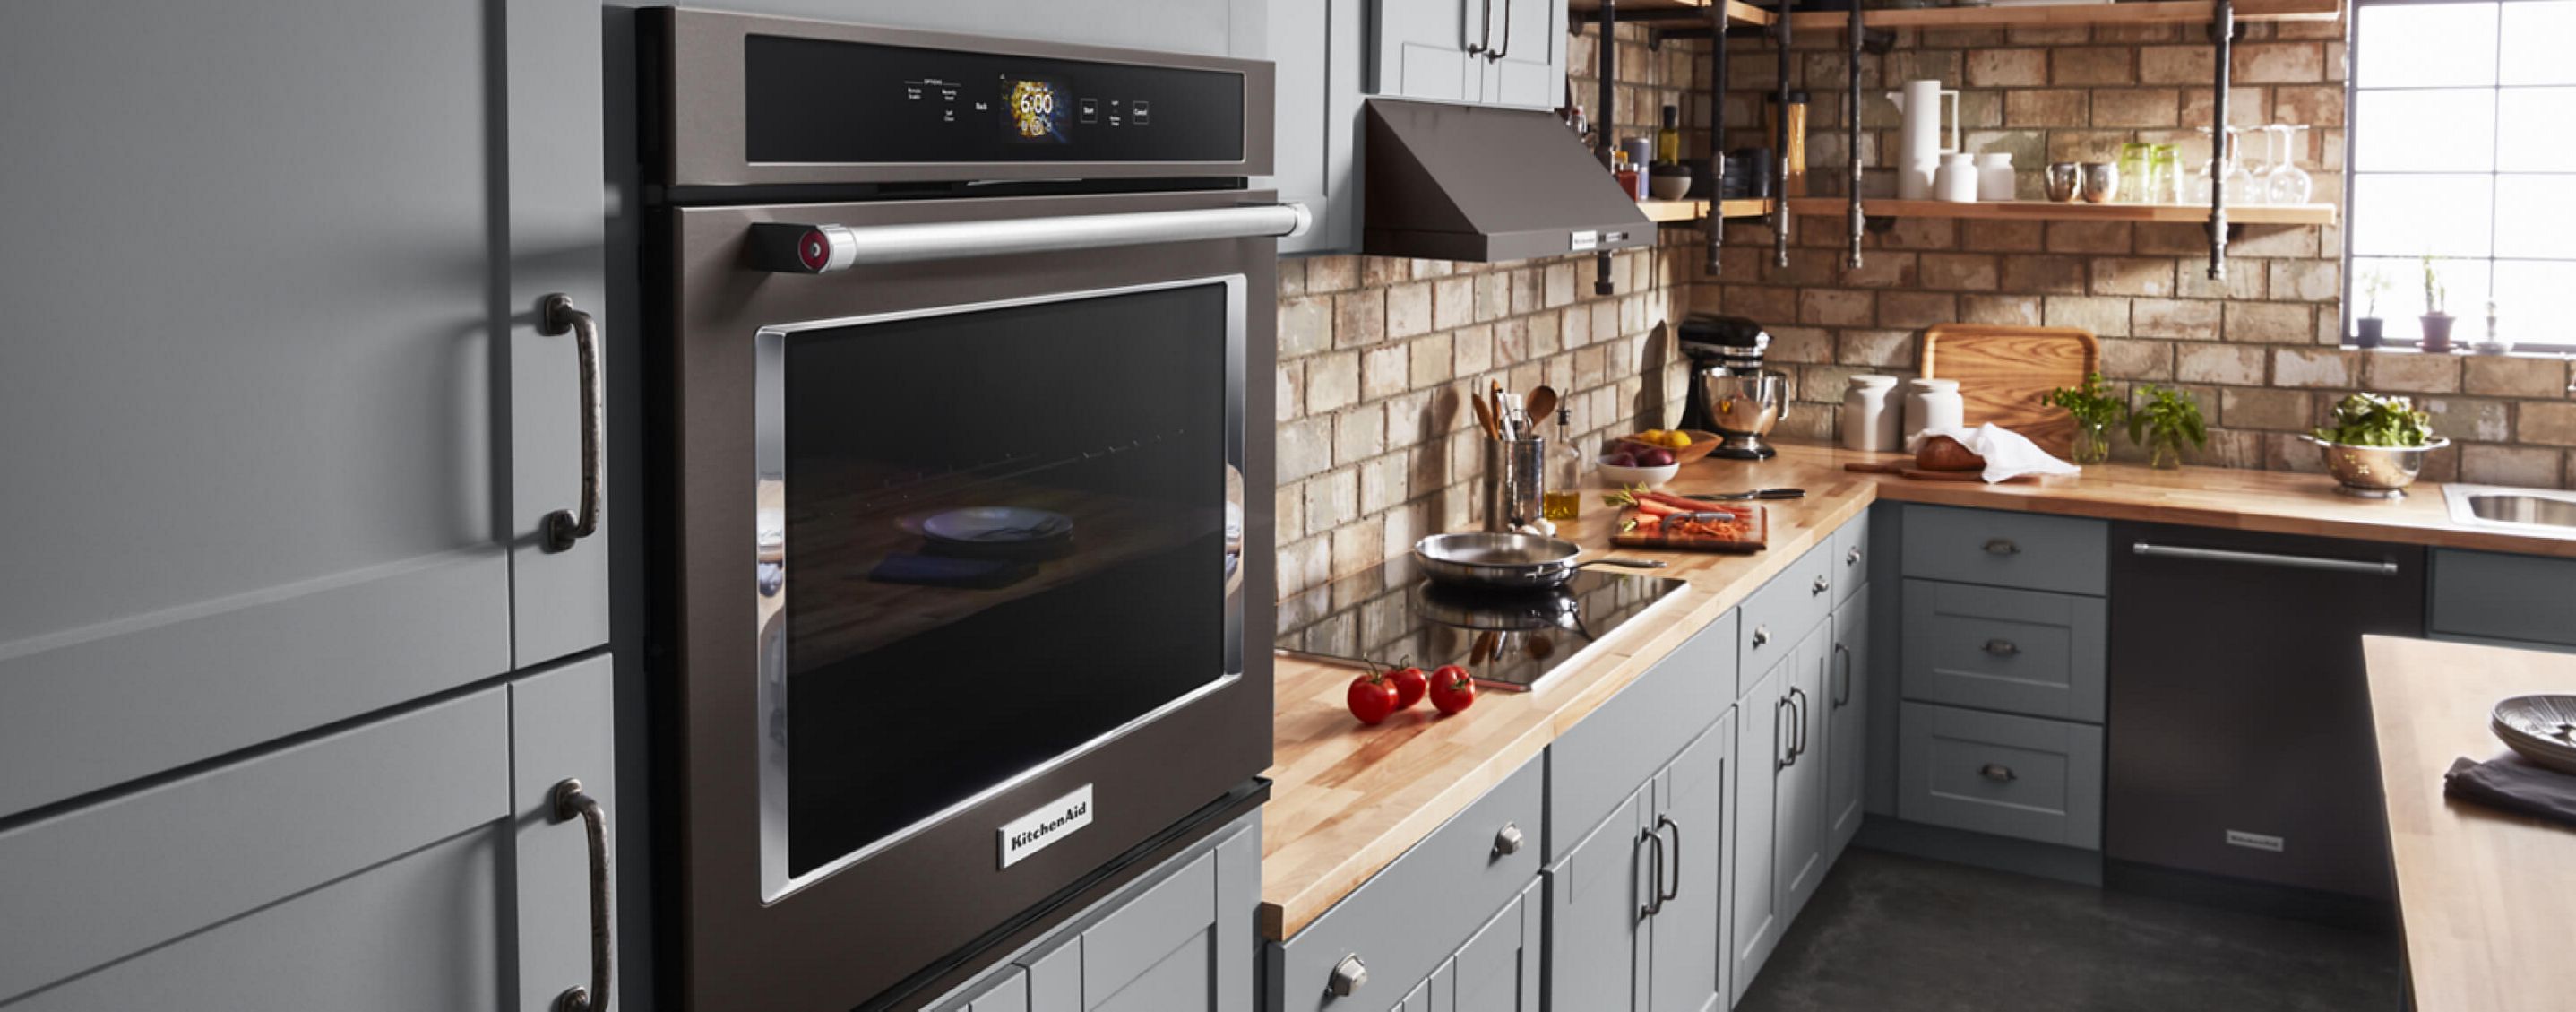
2382 567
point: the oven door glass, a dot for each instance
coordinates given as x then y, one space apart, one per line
991 538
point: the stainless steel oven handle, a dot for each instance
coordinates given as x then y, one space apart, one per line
563 527
792 248
2383 567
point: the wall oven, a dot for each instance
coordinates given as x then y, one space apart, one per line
960 526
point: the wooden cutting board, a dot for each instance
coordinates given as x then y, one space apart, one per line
1752 536
2004 371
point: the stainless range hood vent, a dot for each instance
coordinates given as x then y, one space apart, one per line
1463 182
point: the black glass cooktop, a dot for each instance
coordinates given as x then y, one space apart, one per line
1509 640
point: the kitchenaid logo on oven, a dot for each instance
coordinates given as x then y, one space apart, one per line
1053 821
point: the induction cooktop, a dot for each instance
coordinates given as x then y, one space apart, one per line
1508 640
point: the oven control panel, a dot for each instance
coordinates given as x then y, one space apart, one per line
831 101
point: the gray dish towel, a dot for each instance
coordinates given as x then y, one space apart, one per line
2514 784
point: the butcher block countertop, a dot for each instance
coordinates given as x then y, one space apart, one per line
2483 894
1347 799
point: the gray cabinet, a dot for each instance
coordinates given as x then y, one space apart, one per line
1638 907
1846 725
2066 555
287 461
1497 970
1498 52
1993 773
1763 737
1315 47
1686 936
411 862
2014 651
2513 600
1597 894
1798 829
1179 939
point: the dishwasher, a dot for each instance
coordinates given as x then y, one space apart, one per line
2239 729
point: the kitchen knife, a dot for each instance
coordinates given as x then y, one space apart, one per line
1764 493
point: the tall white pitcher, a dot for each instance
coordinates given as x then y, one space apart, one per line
1919 144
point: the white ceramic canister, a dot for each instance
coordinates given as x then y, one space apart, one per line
1873 421
1957 182
1995 176
1933 404
1919 144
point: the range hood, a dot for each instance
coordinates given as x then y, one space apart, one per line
1464 182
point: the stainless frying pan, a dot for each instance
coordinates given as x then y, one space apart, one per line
1508 561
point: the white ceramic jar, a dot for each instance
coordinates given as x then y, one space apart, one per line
1995 176
1957 180
1933 404
1873 421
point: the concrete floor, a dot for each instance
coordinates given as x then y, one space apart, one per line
1887 932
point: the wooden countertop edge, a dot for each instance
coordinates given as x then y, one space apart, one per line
1299 884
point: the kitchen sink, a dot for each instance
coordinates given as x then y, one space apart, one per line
2527 508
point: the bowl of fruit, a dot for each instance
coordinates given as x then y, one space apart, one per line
1686 445
1624 464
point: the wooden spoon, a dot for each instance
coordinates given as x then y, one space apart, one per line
1485 418
1542 405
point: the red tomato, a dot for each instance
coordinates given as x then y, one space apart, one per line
1452 689
1372 697
1409 686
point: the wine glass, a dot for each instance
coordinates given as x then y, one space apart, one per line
2289 184
2244 185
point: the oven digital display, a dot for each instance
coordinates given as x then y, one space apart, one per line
1037 111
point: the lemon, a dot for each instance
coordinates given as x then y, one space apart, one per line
1677 439
1651 437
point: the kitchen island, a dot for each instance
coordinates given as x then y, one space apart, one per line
2482 893
1348 799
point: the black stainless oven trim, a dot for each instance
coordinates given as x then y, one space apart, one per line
699 141
845 940
769 454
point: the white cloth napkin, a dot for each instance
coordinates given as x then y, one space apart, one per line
2008 454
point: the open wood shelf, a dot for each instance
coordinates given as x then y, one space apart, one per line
2070 15
1684 212
2041 210
1737 11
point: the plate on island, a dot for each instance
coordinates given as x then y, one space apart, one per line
2542 728
996 525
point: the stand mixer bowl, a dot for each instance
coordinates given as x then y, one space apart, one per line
1744 405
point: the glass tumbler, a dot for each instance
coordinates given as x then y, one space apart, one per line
2133 174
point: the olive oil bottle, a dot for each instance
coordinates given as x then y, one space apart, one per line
1563 498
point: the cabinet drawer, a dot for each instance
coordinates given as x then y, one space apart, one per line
2504 597
2062 554
2017 651
1405 921
132 872
1851 559
2010 776
1783 610
1593 768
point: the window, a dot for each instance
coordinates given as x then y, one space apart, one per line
2463 147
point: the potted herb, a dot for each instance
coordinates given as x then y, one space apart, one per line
2162 424
2367 329
2376 445
2095 410
2437 323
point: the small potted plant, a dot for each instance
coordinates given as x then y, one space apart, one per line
2437 323
2376 446
2166 419
2095 410
2366 331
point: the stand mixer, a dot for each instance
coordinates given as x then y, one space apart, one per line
1730 393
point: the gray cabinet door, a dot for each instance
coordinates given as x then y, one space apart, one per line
1596 895
1762 739
1498 969
282 467
1799 832
1315 46
559 730
1846 733
1686 939
1430 49
1525 62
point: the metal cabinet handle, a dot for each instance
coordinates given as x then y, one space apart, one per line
2002 546
1800 695
1664 822
1822 584
1485 33
1510 840
2002 648
1998 773
571 803
1761 635
1842 696
563 527
1655 892
1852 558
1348 977
1784 749
2383 567
1496 55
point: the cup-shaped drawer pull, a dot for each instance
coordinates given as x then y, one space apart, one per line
1510 840
1852 558
2002 546
2002 647
1822 584
1348 976
1761 635
1998 773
